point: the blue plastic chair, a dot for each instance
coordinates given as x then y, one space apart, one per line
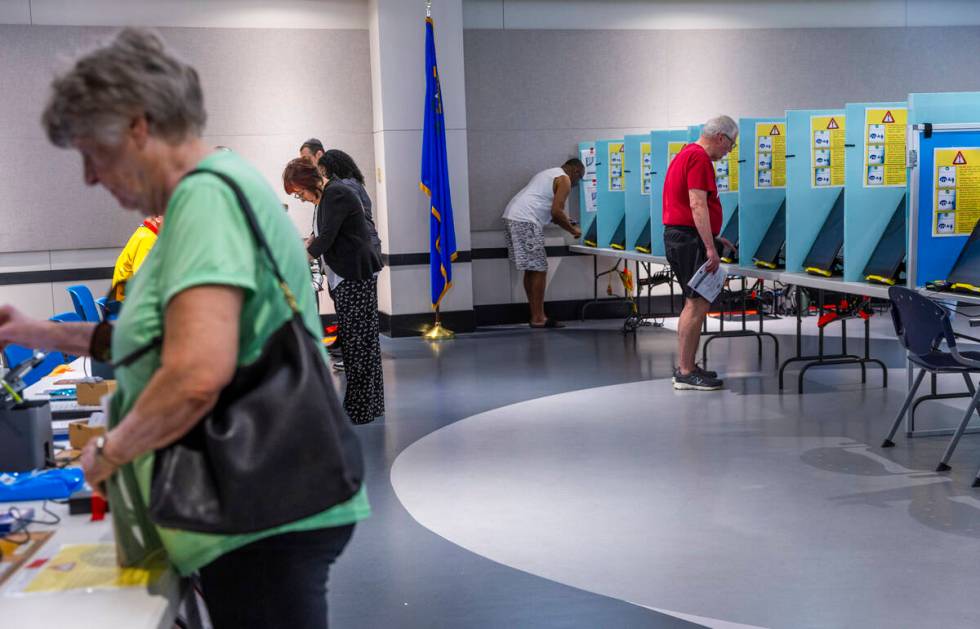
84 303
922 326
16 354
69 317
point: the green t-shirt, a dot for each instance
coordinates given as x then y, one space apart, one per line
205 240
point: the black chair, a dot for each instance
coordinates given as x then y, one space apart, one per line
922 326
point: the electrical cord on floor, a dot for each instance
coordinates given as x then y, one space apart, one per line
18 516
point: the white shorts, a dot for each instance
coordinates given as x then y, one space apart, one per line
525 245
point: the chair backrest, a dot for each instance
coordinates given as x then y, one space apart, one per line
67 317
920 323
16 354
84 303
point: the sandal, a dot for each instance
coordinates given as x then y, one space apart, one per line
548 323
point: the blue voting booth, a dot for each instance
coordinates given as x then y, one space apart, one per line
727 179
815 173
663 144
638 185
942 188
611 193
875 201
761 182
587 192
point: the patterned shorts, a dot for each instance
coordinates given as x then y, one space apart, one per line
525 245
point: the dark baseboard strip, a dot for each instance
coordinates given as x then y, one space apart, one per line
485 253
57 275
509 314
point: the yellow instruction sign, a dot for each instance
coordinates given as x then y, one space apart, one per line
884 141
646 168
826 151
726 172
956 194
92 566
673 148
617 166
770 155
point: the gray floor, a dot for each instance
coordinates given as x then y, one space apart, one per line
578 481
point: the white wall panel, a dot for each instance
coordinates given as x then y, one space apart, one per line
413 294
492 282
715 14
90 258
20 261
401 62
406 223
15 12
284 14
32 299
260 101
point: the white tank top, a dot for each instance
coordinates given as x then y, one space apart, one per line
533 203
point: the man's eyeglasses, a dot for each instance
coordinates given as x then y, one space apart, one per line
731 142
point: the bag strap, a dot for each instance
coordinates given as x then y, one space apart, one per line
253 225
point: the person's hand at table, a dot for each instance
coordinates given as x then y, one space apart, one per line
98 468
727 244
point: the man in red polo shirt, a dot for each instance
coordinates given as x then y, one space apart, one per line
692 220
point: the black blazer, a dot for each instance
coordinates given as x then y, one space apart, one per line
344 240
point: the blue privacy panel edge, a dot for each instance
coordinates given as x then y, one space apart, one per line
806 207
756 207
934 257
729 200
612 205
944 107
586 219
867 210
658 148
637 203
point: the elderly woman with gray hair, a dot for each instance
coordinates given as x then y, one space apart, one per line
224 286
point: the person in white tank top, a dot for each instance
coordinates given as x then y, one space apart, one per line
540 202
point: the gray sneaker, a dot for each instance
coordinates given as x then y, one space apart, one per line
696 381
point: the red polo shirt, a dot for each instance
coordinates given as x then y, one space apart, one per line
691 170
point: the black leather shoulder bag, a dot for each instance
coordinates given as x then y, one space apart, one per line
276 448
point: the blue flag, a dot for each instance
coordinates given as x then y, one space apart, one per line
435 177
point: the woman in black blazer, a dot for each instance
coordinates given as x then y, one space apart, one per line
342 241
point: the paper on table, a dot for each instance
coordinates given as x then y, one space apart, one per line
706 284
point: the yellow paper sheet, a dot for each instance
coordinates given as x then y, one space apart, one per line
91 566
646 168
956 191
770 155
884 147
726 172
826 151
617 167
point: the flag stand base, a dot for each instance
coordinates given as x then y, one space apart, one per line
438 333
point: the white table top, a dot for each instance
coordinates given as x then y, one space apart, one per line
130 608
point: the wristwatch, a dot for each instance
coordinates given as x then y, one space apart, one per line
100 443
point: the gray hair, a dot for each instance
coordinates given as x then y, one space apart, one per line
133 75
720 125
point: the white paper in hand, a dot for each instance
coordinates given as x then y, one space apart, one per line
706 284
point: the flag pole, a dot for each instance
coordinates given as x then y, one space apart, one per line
437 332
